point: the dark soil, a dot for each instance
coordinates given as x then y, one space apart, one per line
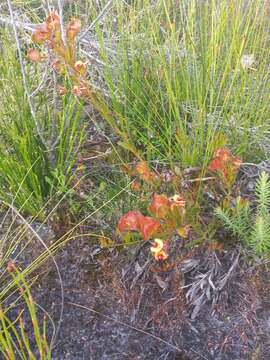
136 310
205 303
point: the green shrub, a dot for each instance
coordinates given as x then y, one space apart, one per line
253 228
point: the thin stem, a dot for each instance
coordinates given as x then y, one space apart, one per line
60 9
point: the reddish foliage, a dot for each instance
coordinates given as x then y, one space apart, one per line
216 164
130 221
159 205
34 55
136 221
145 173
73 28
148 227
223 154
225 163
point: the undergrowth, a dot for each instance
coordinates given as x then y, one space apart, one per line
252 227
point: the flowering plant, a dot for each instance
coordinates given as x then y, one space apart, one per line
62 51
167 218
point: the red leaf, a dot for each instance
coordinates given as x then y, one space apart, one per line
130 221
216 164
148 226
145 173
159 205
223 154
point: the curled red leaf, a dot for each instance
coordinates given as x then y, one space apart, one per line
148 226
130 221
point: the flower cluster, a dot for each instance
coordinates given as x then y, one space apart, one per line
167 217
64 54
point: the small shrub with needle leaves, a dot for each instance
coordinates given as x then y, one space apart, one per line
252 227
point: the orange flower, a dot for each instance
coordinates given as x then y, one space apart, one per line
73 28
159 205
81 90
80 66
53 20
158 250
41 33
34 55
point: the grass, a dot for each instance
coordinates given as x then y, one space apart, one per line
32 170
14 337
176 77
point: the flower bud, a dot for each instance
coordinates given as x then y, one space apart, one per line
41 33
80 90
80 67
34 55
53 20
73 28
